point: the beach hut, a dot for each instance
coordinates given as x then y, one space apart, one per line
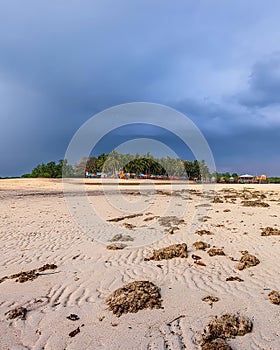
246 178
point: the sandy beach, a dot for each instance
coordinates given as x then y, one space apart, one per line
41 224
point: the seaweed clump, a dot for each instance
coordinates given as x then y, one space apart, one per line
256 203
270 231
134 296
199 245
216 344
19 312
225 327
116 246
204 232
247 260
274 297
215 251
173 251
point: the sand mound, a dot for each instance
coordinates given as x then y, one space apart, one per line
173 251
274 297
247 260
199 245
270 231
133 297
227 326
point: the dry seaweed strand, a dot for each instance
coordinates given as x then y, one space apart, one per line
29 275
120 218
234 278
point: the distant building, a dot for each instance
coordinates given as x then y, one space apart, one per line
245 179
261 179
252 179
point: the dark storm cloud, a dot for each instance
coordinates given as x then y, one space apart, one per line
264 83
62 62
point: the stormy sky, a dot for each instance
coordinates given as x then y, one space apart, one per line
218 62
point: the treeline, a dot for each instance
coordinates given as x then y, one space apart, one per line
52 170
274 180
226 177
114 163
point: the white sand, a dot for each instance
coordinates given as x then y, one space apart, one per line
37 227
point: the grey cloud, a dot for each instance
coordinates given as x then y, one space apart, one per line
62 62
264 83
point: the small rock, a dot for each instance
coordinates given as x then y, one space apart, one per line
73 317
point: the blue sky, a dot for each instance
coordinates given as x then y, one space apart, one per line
218 62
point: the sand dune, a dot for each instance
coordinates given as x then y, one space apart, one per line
40 224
